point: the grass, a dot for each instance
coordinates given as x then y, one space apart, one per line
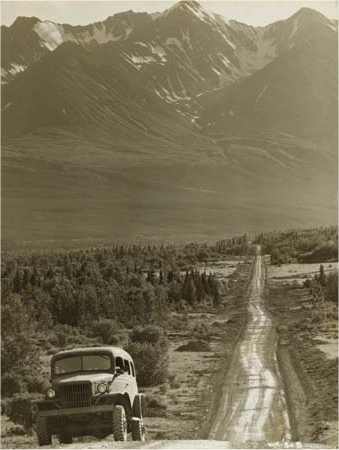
299 272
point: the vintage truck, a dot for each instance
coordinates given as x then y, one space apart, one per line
93 392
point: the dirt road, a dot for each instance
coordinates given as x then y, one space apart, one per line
253 408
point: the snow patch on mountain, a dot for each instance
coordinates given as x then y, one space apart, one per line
12 71
187 39
230 43
176 42
216 71
159 51
295 27
261 93
51 34
333 26
142 59
157 55
16 68
198 12
226 62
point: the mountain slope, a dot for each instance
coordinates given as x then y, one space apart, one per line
296 93
82 88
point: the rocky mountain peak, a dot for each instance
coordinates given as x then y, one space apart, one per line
25 22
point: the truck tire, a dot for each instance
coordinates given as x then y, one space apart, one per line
138 405
138 430
44 436
119 423
65 438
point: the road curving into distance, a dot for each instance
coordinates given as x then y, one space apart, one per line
252 408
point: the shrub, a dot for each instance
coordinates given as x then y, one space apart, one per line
201 331
331 289
3 405
18 409
12 383
18 352
67 336
149 349
194 346
37 383
151 363
16 430
154 407
107 330
307 283
64 334
151 334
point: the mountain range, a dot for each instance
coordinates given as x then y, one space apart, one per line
174 125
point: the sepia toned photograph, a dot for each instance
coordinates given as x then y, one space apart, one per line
169 224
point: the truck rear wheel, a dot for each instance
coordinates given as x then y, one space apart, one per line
138 405
44 436
119 423
138 430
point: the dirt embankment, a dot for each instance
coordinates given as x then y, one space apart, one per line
310 372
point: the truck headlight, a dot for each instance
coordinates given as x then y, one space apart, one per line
102 388
50 393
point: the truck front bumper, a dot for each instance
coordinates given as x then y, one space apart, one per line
75 411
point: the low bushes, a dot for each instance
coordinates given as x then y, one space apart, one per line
107 330
149 349
12 383
18 409
155 407
194 346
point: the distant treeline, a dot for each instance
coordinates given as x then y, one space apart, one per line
313 245
235 246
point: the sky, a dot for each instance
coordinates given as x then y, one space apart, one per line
79 12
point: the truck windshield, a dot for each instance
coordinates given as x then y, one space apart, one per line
82 363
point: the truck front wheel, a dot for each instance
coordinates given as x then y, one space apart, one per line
65 438
44 436
119 423
138 430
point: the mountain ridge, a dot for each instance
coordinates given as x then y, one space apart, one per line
46 35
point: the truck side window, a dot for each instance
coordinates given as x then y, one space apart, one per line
119 362
126 366
132 367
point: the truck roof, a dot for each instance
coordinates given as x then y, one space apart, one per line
115 351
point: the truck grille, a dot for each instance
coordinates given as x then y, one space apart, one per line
75 395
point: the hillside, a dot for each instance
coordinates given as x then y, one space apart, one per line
296 93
